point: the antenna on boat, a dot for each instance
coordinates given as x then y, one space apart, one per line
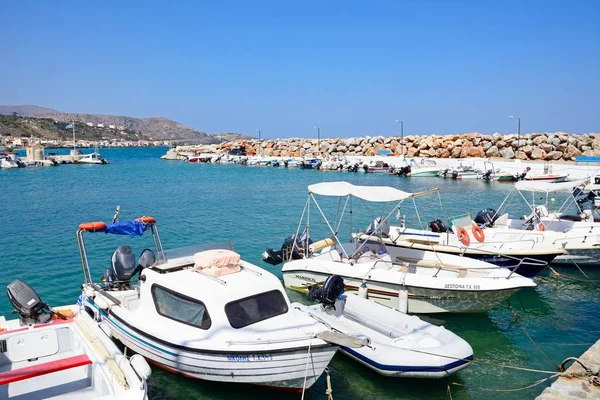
73 125
116 216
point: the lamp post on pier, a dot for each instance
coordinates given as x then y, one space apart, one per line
518 131
259 152
401 136
318 140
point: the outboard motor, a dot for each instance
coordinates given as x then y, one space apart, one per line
522 175
366 168
445 172
123 267
378 226
273 257
437 226
28 304
486 217
327 294
454 174
487 175
146 259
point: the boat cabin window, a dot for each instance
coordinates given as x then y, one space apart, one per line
253 309
180 308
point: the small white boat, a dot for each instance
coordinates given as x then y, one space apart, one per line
92 158
204 313
412 280
397 345
10 160
62 354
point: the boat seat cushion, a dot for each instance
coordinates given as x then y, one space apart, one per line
217 262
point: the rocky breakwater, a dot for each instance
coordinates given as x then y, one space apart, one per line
532 146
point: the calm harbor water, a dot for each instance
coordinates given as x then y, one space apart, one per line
256 208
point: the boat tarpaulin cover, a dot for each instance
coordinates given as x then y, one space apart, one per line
548 187
368 193
129 228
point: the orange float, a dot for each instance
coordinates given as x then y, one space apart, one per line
463 236
541 227
146 220
92 226
478 233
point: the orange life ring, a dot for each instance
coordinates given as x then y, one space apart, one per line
146 220
463 236
478 233
541 227
92 226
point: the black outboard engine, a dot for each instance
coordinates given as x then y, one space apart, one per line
327 294
123 267
366 168
522 175
28 304
454 174
146 259
273 257
437 226
487 175
486 217
445 172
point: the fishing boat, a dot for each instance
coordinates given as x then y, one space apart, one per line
414 280
310 163
204 313
63 354
547 175
397 345
377 166
92 158
462 171
10 160
577 233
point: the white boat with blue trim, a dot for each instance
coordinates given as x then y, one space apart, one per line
398 345
204 313
411 280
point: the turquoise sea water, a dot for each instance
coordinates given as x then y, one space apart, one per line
256 208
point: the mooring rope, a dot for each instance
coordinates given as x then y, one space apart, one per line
558 275
306 369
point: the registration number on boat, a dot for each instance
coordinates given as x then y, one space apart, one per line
249 357
461 286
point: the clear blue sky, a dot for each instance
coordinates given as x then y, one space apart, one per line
350 68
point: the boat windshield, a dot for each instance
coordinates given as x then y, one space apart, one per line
185 255
253 309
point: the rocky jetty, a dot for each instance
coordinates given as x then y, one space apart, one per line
532 146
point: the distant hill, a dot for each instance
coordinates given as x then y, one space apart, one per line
155 127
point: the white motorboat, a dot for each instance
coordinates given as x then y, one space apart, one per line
416 281
204 313
578 234
398 345
462 171
63 354
92 158
10 160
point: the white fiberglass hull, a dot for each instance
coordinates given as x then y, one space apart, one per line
71 359
399 345
272 365
424 172
456 297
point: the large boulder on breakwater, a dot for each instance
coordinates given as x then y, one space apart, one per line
534 146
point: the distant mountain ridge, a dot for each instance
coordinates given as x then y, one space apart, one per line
154 127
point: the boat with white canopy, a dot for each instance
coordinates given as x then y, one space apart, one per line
578 234
63 354
203 312
411 280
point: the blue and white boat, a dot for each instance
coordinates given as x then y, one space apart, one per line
204 313
310 163
397 344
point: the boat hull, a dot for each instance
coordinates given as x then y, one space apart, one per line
284 368
421 300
